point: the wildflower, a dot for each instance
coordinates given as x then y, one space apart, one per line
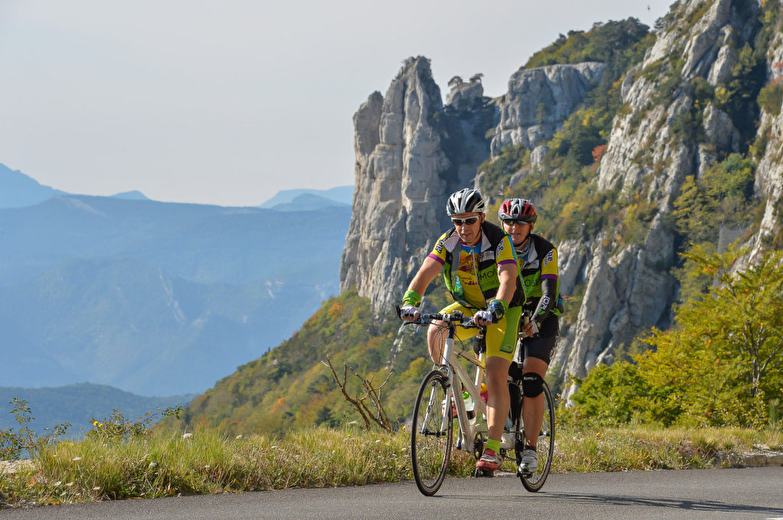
96 488
76 459
187 435
69 484
152 465
239 436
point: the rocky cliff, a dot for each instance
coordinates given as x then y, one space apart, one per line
539 100
631 289
769 174
399 184
667 130
412 152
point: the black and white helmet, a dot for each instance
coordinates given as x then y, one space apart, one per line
466 200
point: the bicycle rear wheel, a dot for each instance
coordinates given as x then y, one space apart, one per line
546 445
432 428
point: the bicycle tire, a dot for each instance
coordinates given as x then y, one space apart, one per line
431 436
546 445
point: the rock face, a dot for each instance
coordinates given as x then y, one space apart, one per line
539 100
411 153
464 95
630 290
399 185
769 174
407 164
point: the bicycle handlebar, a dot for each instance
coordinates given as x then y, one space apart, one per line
456 317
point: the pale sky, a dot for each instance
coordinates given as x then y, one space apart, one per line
229 102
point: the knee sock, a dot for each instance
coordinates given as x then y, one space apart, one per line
493 445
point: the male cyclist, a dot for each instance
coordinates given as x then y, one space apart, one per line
480 271
538 267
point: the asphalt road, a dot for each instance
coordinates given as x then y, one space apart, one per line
755 493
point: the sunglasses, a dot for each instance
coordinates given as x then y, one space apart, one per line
467 221
511 222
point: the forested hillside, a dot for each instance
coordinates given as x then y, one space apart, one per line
290 386
78 405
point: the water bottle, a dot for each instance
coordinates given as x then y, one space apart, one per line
469 404
484 396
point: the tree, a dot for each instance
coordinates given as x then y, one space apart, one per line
720 364
476 78
456 81
727 346
747 307
721 197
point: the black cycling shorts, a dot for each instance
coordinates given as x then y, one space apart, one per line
541 346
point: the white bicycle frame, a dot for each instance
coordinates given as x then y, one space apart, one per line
456 374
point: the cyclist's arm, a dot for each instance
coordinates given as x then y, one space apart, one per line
427 272
507 275
549 278
547 301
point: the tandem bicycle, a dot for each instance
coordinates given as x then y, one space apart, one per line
440 406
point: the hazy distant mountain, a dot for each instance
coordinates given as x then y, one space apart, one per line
131 195
18 190
340 194
128 324
308 201
78 404
156 298
195 242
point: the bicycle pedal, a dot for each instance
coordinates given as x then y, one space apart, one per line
483 473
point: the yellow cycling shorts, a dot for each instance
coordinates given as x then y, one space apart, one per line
501 339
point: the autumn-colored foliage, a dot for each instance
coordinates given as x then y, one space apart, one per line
598 152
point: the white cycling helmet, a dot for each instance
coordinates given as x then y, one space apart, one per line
466 200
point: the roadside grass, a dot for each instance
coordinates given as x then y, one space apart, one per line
644 448
206 462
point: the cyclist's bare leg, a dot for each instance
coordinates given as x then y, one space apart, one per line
496 375
533 408
435 340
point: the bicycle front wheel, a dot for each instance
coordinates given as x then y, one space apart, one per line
546 446
432 428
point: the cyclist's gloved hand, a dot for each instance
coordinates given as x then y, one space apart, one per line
409 312
410 303
482 318
497 308
531 329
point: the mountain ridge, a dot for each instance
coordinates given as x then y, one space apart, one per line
152 297
78 404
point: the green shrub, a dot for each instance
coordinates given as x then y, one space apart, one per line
770 98
720 365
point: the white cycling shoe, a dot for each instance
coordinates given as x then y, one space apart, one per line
529 462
